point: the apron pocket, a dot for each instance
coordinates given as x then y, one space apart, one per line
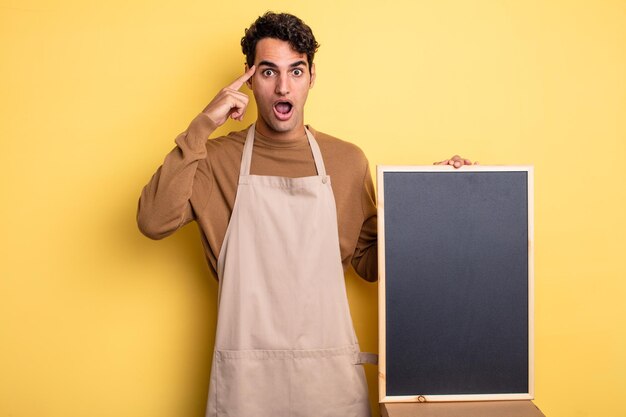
329 383
251 383
290 383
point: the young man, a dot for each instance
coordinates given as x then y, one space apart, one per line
276 233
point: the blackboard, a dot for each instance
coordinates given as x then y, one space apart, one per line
455 290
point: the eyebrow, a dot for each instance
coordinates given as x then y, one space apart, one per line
273 65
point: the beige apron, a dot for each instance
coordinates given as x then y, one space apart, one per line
285 345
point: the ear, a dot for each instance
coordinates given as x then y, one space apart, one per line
312 82
249 81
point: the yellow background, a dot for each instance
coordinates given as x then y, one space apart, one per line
96 320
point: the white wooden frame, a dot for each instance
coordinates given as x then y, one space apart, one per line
383 398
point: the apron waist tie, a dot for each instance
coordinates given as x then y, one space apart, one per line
366 357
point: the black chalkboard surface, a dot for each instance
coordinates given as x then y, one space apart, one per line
455 290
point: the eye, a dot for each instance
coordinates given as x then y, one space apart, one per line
268 72
297 72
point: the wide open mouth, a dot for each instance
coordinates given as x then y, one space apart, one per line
282 109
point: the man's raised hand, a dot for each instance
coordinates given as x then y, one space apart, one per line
229 102
456 161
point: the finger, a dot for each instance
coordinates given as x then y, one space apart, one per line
228 92
236 85
238 114
238 109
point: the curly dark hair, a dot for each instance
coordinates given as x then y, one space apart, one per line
283 26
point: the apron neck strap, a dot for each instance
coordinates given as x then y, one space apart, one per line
246 158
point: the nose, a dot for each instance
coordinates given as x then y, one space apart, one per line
282 85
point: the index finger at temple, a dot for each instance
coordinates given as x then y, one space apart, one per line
236 85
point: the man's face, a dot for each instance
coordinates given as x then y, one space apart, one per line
280 85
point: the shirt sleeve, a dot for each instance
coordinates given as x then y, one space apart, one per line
365 259
164 204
